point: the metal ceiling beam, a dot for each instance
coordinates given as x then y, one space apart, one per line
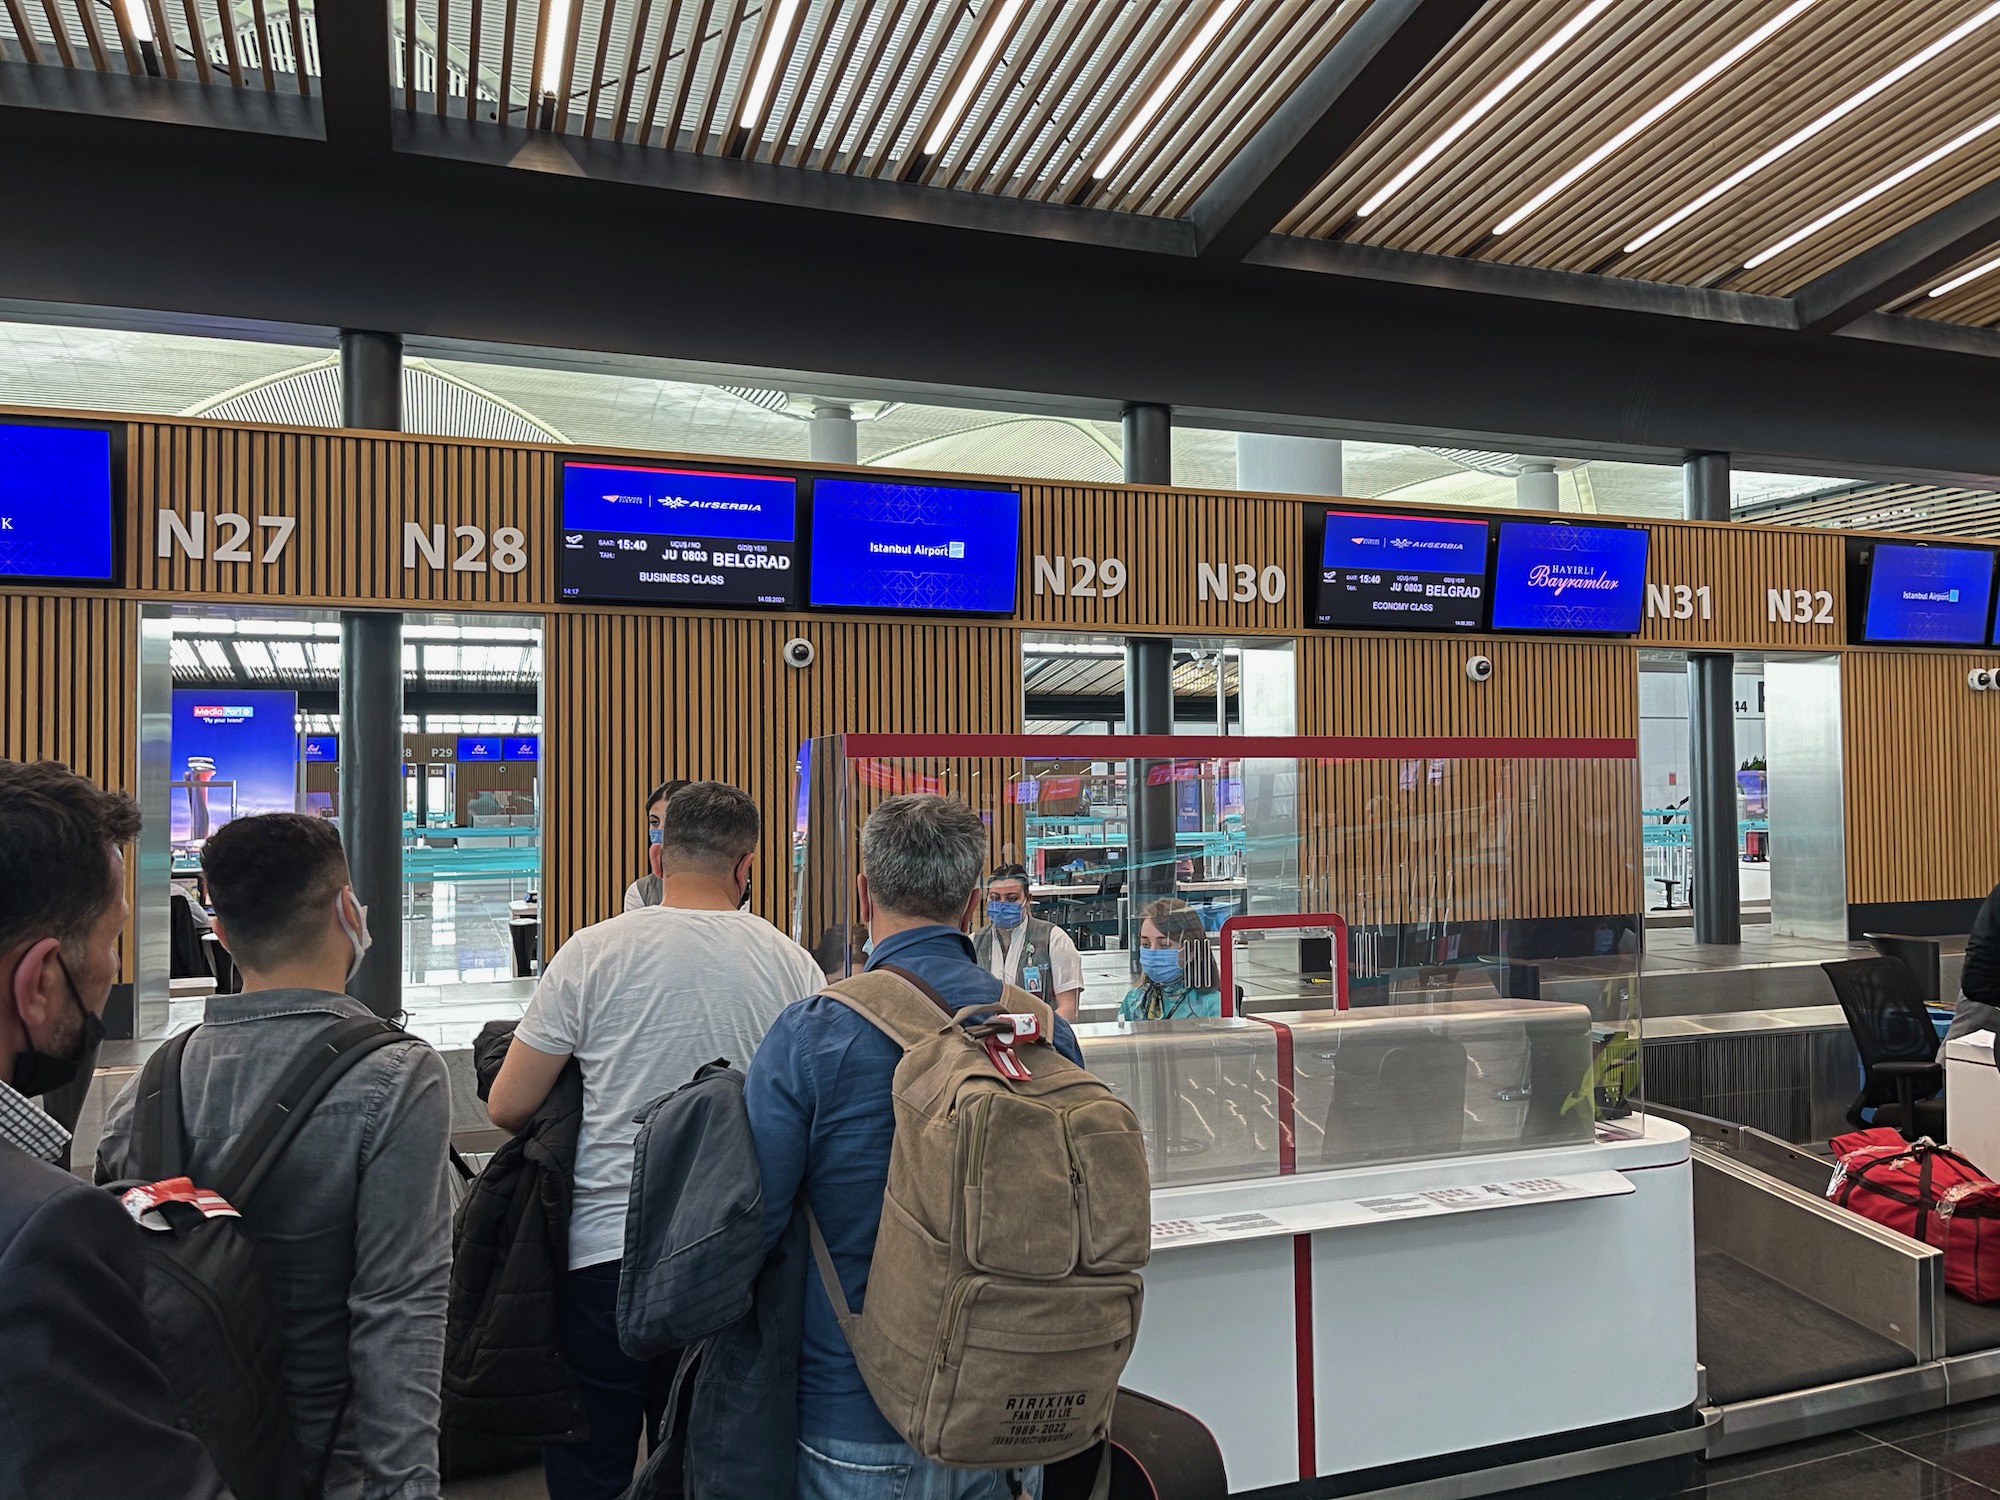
1901 264
692 276
1366 71
356 78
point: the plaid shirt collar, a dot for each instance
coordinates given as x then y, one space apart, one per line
25 1126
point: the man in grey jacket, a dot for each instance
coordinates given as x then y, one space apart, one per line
355 1218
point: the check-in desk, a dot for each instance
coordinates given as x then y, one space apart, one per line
1972 1100
1387 1236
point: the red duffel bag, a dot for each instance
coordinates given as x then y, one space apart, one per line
1930 1193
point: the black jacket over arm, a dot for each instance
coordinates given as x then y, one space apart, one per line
85 1413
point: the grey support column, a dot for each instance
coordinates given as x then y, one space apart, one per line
371 706
1714 871
1149 444
832 438
1536 486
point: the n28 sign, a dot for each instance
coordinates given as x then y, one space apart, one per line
473 552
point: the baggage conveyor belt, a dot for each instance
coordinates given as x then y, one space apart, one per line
1811 1319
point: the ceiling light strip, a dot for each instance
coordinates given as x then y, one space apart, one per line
1182 65
1833 116
556 30
776 34
1488 102
974 76
1869 195
1964 276
1666 105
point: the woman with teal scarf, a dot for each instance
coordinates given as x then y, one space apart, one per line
1177 965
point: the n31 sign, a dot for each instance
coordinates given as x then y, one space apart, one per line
1679 601
233 531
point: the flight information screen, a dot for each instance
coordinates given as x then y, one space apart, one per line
678 536
890 545
55 503
1402 572
1927 595
1555 576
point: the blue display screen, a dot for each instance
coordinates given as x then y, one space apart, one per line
522 747
678 536
477 747
1928 595
897 546
1550 575
234 752
322 747
1413 572
55 503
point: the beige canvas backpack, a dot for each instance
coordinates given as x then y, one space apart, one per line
1003 1298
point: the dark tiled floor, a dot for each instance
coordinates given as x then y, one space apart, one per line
1942 1455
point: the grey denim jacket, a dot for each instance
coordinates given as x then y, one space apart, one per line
356 1220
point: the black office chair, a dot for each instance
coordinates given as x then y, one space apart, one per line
1900 1076
187 954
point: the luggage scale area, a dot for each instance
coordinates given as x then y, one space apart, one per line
1811 1319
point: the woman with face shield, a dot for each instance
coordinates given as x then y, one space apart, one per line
1178 974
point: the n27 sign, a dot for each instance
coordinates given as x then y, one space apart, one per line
191 536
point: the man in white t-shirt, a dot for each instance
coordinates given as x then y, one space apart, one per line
1020 949
641 1002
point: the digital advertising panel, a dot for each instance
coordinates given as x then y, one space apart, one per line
645 535
477 749
1559 577
1927 596
56 519
892 545
235 753
1406 572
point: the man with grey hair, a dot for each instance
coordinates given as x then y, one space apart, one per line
819 1100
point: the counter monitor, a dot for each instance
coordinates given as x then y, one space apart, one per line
892 545
1402 571
55 503
1570 579
678 536
475 748
322 749
1930 596
522 747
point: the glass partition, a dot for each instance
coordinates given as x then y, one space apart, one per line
1387 949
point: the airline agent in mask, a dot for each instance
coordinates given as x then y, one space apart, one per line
1024 950
1177 970
645 891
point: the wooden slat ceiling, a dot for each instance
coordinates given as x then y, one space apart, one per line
1633 54
1977 301
859 86
256 44
1914 508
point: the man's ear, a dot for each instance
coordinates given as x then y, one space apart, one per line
35 987
220 936
864 904
971 910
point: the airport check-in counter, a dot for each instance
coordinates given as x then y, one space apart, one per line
1403 1234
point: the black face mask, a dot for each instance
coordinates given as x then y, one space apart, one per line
38 1072
745 900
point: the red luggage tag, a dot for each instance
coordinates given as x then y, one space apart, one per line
1005 1060
1027 1027
140 1202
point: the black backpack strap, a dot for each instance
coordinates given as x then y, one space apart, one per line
279 1118
159 1129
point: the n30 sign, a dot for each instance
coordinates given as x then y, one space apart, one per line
233 532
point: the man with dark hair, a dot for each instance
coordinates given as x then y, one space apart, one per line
645 891
641 1002
355 1217
821 1112
84 1409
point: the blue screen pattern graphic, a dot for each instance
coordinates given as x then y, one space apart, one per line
914 547
1557 577
55 503
1929 595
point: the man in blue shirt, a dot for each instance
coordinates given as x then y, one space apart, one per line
819 1098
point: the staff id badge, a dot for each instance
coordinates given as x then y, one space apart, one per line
1031 979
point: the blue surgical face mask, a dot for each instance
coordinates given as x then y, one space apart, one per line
1006 913
1161 965
654 835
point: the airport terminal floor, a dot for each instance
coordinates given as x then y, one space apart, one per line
1308 693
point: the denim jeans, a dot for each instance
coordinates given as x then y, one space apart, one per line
621 1396
835 1469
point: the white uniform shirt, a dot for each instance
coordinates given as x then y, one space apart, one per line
642 1001
1008 948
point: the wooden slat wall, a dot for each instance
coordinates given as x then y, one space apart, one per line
69 687
1161 536
1923 776
633 699
1740 565
1526 838
350 496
